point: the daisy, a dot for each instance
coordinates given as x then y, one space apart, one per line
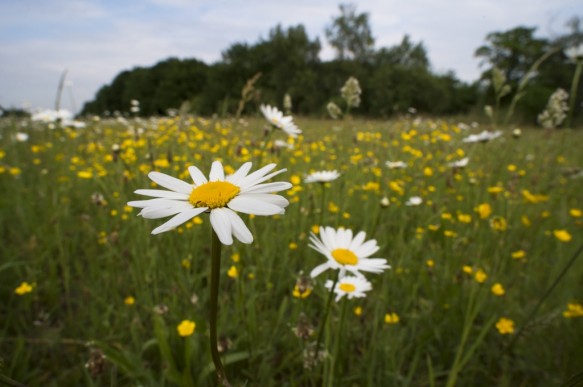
350 286
220 195
414 201
277 119
346 253
484 136
574 53
396 164
460 163
322 176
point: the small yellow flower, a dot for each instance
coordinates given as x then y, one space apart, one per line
295 180
430 263
129 301
525 221
562 235
505 326
85 174
464 218
511 168
293 246
391 318
23 289
480 276
467 269
186 263
519 254
297 293
574 309
186 328
358 311
236 257
233 272
484 210
427 171
498 289
315 229
495 190
449 233
498 223
197 220
575 212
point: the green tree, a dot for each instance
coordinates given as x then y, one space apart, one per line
350 34
406 54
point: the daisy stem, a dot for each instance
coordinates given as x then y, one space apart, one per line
326 312
215 276
330 381
322 204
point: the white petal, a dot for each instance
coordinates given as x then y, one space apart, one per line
179 219
256 175
157 203
217 172
357 241
367 249
197 175
319 270
277 200
268 187
249 183
162 194
156 213
170 182
239 229
222 225
240 173
328 236
248 205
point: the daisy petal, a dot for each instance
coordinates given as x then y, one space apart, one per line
248 205
197 175
319 270
179 219
268 188
222 225
170 182
240 173
158 203
217 172
156 213
159 193
240 230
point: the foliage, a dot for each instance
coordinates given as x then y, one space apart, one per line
350 34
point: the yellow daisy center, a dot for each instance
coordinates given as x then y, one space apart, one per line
344 257
348 288
215 194
275 121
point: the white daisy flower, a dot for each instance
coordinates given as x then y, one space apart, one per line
414 201
346 253
276 118
220 195
21 136
484 136
322 176
575 53
350 286
396 164
460 163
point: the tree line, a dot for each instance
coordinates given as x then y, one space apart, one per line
393 79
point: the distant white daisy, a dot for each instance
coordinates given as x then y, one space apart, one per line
460 163
21 136
345 253
414 201
484 136
352 287
220 195
396 164
322 176
277 119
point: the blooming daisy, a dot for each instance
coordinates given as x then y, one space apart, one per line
484 136
346 253
459 163
350 286
276 118
396 164
414 201
220 195
322 176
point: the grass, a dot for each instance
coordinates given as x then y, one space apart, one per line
84 256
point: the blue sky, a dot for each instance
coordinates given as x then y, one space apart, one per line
95 40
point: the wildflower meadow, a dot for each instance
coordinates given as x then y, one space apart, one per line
266 251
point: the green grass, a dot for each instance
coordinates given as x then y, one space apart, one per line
84 259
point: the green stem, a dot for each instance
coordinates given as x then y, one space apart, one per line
544 297
330 381
322 204
215 277
326 312
573 96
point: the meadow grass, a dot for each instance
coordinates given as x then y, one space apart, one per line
105 297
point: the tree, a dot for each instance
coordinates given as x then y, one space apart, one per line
350 34
406 54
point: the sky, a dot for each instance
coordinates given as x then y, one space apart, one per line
94 40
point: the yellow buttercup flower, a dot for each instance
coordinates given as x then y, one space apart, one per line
574 309
233 272
575 212
498 289
519 254
505 326
562 235
480 276
392 318
129 301
186 328
484 210
23 289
